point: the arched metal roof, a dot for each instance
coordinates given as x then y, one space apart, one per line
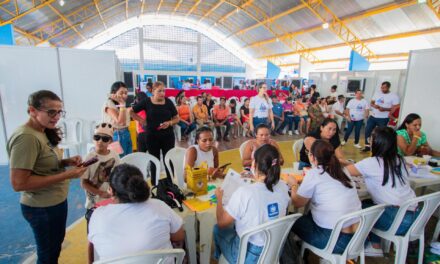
280 31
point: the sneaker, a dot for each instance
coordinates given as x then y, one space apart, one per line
290 133
357 146
343 142
370 251
296 132
366 149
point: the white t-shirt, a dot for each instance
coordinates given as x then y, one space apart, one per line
384 100
254 204
330 199
202 156
121 229
357 109
108 118
261 106
334 94
373 169
98 174
337 107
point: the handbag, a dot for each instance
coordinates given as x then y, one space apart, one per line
169 193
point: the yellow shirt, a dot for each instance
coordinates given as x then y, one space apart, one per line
200 112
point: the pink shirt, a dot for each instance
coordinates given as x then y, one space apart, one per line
139 127
287 107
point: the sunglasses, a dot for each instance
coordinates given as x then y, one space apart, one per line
104 139
53 113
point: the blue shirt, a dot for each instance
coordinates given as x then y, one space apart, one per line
277 109
285 88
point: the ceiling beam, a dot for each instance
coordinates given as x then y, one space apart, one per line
35 8
142 6
219 3
177 6
99 12
223 18
335 24
126 9
64 30
193 7
67 22
158 7
369 40
17 9
435 7
364 14
270 19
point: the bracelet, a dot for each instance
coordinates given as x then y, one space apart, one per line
417 137
294 185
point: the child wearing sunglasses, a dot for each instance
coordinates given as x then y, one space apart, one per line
95 180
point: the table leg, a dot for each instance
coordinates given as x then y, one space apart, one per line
189 224
207 220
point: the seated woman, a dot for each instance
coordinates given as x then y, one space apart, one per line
262 137
315 113
411 140
186 120
244 113
386 178
332 194
250 206
327 131
204 151
233 118
133 223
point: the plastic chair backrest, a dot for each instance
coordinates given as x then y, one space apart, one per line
275 232
241 149
72 130
150 256
367 219
173 99
176 157
297 148
142 161
429 204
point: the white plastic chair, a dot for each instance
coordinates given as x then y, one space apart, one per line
73 135
173 99
177 132
437 227
90 145
297 148
275 232
243 98
430 203
241 149
176 156
151 256
355 248
142 161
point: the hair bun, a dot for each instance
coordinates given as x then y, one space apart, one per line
137 189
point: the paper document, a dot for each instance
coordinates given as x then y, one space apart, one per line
232 182
421 171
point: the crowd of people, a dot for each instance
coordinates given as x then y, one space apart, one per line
123 219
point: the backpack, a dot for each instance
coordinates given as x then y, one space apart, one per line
169 193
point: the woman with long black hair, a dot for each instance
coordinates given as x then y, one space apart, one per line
332 194
250 206
38 172
161 117
387 182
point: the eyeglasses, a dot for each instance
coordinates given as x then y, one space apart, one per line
53 113
104 139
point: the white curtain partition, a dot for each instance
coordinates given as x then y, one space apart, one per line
81 77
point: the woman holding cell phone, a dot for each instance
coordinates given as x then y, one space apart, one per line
38 172
161 117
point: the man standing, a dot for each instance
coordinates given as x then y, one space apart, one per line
382 103
338 111
333 92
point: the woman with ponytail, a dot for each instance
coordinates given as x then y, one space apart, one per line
386 178
133 223
332 194
38 172
251 205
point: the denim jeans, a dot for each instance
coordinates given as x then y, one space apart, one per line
186 129
124 138
227 243
317 236
257 120
357 130
303 164
387 218
372 122
288 121
49 227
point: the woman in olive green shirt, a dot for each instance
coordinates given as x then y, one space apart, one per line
411 140
38 173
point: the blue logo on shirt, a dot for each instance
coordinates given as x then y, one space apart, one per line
272 210
263 108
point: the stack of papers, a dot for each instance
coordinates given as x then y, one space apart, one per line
232 182
421 171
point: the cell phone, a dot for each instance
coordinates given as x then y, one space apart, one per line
90 161
222 167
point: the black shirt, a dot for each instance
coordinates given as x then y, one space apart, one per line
209 105
245 110
317 134
157 114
